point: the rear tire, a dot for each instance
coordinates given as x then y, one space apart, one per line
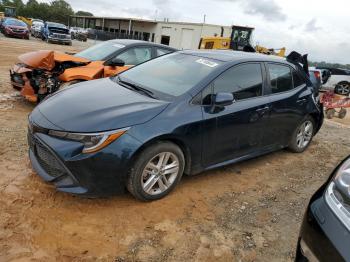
342 113
343 88
156 171
302 136
330 113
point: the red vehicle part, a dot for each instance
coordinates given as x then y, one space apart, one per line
331 102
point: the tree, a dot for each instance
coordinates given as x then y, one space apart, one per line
60 11
31 9
56 11
84 13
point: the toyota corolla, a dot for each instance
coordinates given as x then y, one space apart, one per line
182 113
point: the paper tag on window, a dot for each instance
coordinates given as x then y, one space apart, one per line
206 62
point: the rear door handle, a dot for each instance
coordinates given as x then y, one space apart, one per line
302 100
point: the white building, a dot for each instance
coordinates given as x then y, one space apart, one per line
179 35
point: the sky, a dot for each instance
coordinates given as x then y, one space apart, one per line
317 28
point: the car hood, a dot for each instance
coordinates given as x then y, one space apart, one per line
96 106
59 30
46 59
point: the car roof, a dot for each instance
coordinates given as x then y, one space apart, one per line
128 42
230 55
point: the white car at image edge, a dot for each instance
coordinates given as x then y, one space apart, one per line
339 80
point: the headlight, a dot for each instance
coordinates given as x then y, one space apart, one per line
92 142
338 193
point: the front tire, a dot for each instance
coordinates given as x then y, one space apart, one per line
302 135
156 171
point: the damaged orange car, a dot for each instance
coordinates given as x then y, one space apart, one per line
44 72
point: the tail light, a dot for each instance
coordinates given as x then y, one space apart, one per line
317 74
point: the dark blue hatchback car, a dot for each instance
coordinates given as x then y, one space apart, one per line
180 113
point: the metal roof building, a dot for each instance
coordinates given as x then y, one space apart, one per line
179 35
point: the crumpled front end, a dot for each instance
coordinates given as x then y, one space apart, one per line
20 79
37 74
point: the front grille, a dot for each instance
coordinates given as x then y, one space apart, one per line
45 158
59 36
18 30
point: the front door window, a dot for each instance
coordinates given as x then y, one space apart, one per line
136 55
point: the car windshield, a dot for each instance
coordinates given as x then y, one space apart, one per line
100 51
37 24
14 22
173 74
56 25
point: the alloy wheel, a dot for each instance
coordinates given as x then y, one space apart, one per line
343 89
160 173
304 134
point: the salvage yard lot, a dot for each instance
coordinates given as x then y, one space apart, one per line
249 211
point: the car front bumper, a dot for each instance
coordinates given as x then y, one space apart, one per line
20 82
61 163
323 237
59 40
18 34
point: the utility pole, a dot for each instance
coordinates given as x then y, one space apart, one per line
204 19
156 14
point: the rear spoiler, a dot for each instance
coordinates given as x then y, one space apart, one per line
295 57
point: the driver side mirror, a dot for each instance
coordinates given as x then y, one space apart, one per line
223 99
114 62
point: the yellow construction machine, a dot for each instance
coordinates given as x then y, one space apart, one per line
240 40
10 11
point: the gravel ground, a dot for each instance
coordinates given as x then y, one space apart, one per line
244 212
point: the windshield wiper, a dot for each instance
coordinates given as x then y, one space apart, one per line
136 88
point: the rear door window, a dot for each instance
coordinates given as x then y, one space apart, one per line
297 80
243 81
280 78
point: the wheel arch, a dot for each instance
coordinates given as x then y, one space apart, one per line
172 139
318 120
343 82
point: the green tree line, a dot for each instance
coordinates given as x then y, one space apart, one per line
332 65
55 11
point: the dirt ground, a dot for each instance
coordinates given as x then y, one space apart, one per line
244 212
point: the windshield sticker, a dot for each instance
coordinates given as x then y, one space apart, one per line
206 62
118 45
